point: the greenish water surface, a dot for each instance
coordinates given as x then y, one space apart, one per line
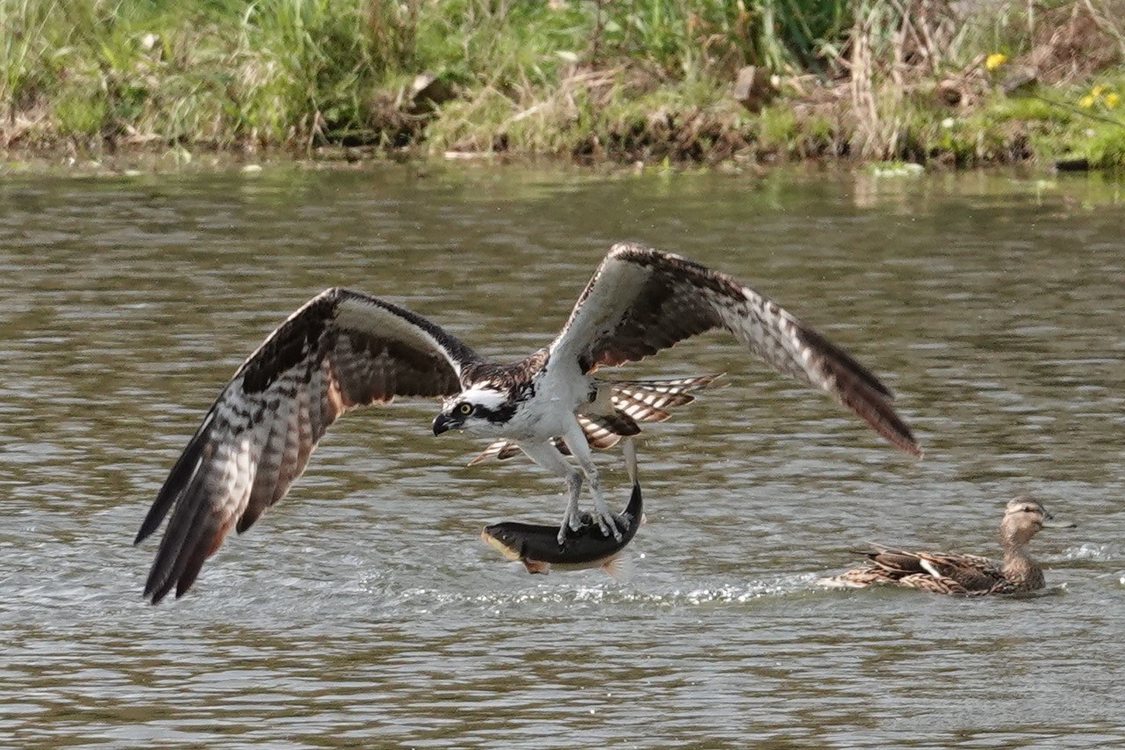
364 610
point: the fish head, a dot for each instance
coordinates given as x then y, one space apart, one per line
505 540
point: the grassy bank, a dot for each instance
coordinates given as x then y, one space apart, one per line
620 80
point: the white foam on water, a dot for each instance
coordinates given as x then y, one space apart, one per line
1091 551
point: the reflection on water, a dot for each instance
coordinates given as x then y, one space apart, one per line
363 610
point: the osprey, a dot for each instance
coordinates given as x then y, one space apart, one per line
345 349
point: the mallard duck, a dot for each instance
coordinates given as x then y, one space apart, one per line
960 574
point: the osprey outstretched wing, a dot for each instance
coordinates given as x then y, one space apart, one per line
640 301
339 351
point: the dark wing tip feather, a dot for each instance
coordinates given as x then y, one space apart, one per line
819 343
177 480
181 539
874 409
180 570
858 389
194 563
248 517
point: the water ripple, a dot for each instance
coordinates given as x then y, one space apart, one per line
364 611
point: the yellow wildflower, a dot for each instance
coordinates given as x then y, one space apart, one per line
1098 90
1112 100
995 60
1087 101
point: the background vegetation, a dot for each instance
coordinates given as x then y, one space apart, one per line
965 82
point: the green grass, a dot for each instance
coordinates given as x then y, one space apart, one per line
589 79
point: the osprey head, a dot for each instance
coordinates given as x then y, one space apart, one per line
475 410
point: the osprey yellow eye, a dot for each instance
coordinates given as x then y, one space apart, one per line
465 408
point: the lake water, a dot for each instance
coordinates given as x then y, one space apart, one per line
365 611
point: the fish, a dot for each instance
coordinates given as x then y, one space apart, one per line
538 548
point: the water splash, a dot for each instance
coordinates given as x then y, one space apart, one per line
1091 551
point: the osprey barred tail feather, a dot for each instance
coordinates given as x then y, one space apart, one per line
345 349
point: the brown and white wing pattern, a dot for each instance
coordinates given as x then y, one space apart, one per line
641 301
941 572
339 351
974 573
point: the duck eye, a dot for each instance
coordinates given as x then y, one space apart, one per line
465 408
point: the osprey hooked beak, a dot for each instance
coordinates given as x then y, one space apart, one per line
444 423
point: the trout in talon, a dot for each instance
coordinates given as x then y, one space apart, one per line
538 548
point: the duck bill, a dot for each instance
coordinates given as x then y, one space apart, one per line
1051 523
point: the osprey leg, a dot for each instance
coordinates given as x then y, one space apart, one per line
575 439
548 456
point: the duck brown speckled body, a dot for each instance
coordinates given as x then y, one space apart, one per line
960 574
